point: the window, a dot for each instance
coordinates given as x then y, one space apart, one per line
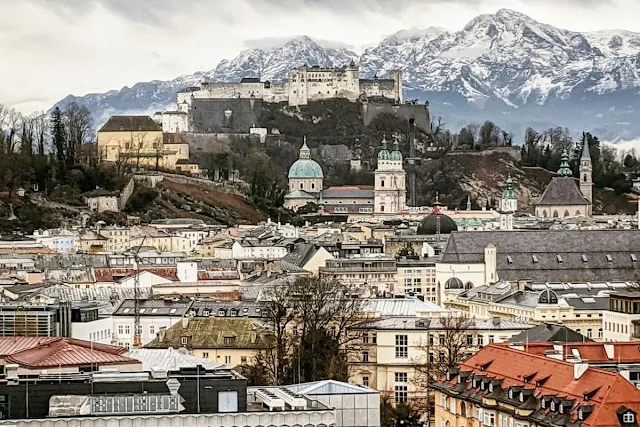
365 356
205 354
152 330
227 360
552 405
401 377
374 338
121 329
489 419
628 417
127 329
243 360
491 339
229 340
401 394
365 338
469 339
480 341
402 346
441 339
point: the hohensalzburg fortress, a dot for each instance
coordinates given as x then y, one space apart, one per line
304 84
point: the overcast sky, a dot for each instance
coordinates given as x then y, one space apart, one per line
51 48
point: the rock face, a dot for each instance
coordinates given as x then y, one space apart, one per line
505 66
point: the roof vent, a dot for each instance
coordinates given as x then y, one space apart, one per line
534 259
559 259
633 258
609 259
584 258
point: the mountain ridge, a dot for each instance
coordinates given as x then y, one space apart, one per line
505 66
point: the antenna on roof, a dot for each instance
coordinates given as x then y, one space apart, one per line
137 332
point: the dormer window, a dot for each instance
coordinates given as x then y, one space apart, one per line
221 312
628 418
448 376
510 394
205 312
543 404
184 340
490 387
561 408
552 405
580 414
521 397
475 383
482 385
459 379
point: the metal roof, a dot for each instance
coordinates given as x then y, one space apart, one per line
169 359
154 307
387 307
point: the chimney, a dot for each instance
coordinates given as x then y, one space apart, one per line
185 321
579 369
517 346
610 350
162 333
557 346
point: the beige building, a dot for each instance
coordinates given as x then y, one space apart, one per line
139 142
375 275
392 347
417 277
231 341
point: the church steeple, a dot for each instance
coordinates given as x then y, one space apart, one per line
586 171
565 169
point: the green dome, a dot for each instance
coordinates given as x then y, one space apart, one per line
396 154
305 168
565 169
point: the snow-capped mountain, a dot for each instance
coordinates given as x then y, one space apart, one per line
505 67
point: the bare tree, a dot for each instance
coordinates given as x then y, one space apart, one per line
451 340
279 315
13 122
79 129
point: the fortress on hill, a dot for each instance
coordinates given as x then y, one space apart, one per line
236 106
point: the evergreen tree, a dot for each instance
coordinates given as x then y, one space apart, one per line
58 134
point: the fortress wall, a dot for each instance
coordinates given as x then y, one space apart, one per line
418 112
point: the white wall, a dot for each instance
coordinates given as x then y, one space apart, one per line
99 331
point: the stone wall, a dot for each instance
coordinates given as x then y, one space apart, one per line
514 152
214 142
126 193
225 115
418 112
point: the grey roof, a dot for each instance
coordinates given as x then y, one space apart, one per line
325 387
553 255
169 359
562 191
348 192
386 307
549 332
301 254
242 308
436 323
109 293
130 123
154 307
99 192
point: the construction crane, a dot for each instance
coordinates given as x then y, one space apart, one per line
137 327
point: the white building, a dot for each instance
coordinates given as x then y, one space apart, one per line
59 240
390 192
248 249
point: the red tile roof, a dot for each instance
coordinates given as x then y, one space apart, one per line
611 391
623 352
55 352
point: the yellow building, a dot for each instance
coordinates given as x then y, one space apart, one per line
229 341
139 142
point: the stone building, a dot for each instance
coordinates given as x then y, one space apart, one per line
508 205
563 197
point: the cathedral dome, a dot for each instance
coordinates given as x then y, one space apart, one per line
453 283
429 225
304 167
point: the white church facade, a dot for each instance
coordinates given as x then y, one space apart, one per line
387 197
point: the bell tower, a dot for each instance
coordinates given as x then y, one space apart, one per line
586 172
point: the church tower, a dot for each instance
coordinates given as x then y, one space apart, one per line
390 191
508 205
586 172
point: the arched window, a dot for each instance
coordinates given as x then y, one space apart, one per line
382 183
544 214
313 186
381 208
578 213
584 178
468 285
463 409
301 186
555 214
447 403
566 214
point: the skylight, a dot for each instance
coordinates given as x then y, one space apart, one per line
534 258
584 258
609 259
509 259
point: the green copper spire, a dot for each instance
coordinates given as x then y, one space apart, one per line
509 193
384 152
565 169
396 154
586 155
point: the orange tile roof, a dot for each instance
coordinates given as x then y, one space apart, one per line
610 390
54 352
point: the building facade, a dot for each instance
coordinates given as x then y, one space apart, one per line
390 184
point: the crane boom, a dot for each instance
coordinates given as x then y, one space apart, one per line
137 327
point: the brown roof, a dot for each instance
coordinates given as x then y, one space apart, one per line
607 392
562 191
56 352
593 352
130 123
